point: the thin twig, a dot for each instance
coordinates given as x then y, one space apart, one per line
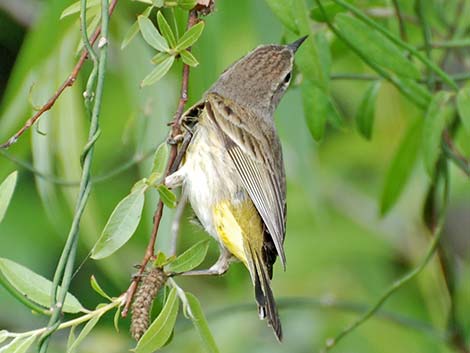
401 23
175 131
64 271
436 232
67 83
464 76
426 33
454 155
122 167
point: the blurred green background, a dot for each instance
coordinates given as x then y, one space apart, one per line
340 252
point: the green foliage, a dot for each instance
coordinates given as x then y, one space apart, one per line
7 187
200 323
401 167
86 330
161 328
463 106
167 196
34 287
366 112
121 224
189 259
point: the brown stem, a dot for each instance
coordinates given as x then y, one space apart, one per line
175 131
67 83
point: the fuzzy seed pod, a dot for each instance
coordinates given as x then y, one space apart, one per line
148 289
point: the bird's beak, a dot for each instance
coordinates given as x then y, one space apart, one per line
295 45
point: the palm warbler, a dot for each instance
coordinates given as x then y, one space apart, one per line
233 173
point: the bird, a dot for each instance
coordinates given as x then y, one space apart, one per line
233 173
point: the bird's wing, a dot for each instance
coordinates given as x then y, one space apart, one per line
254 147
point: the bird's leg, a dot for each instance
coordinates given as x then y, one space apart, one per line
217 269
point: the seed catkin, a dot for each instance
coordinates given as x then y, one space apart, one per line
148 289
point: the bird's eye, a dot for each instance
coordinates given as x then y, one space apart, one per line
287 78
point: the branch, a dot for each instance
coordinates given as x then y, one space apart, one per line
175 131
401 23
67 83
436 231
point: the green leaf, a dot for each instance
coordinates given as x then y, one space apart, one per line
331 10
71 338
308 57
166 30
161 328
167 196
200 323
83 333
463 107
151 35
188 58
97 288
318 108
134 28
35 287
282 9
190 37
401 167
324 55
117 316
366 111
160 159
187 4
191 258
19 345
375 46
160 57
7 187
76 7
434 124
158 72
121 225
418 91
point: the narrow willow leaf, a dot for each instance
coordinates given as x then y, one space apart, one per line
308 57
167 196
160 57
282 9
420 93
366 111
375 46
166 30
434 124
160 159
121 225
401 167
187 4
7 187
190 37
161 328
97 288
318 109
151 35
35 287
324 55
191 258
117 316
463 107
158 72
134 28
331 10
76 7
200 323
83 333
18 345
188 58
71 337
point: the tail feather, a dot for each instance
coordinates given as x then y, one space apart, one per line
264 296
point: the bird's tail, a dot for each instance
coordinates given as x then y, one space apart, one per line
264 295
